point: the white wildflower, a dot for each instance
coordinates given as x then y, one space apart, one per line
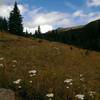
91 93
50 95
67 87
71 83
80 96
32 72
30 81
81 75
19 87
14 61
68 81
13 65
31 75
17 81
1 58
1 65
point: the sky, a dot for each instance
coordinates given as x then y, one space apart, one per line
52 14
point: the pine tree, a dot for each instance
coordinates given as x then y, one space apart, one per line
15 21
39 30
3 24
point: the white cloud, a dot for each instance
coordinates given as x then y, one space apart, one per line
93 16
79 13
44 28
94 3
7 8
84 17
38 16
49 20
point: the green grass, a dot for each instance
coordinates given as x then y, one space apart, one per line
54 63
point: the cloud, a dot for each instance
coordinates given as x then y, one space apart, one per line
48 20
79 13
6 9
81 17
44 28
39 16
94 3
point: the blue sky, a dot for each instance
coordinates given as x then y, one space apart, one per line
51 14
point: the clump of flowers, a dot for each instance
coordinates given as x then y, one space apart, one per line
17 81
50 96
32 73
80 96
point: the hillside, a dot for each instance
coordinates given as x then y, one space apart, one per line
84 36
40 70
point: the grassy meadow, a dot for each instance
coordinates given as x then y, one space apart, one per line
42 70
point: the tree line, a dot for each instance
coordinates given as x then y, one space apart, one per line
86 37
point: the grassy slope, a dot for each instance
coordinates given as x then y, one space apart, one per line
54 63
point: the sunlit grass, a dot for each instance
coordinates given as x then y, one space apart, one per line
34 70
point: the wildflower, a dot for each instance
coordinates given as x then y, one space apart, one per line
31 75
1 65
67 87
32 72
68 81
30 81
19 87
81 75
14 61
17 81
1 58
80 96
50 95
91 93
71 83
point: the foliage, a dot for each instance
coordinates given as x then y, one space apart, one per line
15 21
3 24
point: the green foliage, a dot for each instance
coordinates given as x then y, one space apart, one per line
3 24
15 21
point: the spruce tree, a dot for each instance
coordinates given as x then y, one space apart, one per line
15 21
3 24
39 30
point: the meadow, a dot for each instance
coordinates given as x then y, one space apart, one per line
41 70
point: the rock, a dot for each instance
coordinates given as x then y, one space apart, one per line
7 94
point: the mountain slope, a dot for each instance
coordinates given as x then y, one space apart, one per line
35 68
86 36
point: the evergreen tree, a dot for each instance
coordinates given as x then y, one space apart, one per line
39 30
15 21
3 24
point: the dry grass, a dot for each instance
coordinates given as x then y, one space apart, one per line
54 62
